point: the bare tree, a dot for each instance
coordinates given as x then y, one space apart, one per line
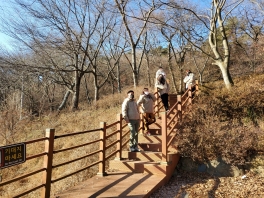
135 15
146 52
259 4
199 67
153 52
179 50
244 32
217 38
113 50
67 37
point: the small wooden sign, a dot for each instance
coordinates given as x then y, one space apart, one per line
12 154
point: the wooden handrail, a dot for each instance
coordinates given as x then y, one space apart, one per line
113 124
176 112
102 148
22 177
74 147
75 172
119 137
76 133
76 159
112 134
188 97
29 191
35 156
164 148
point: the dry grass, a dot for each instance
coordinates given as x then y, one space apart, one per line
225 123
86 118
231 117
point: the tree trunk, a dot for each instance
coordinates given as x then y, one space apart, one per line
87 91
76 93
118 78
221 62
225 74
148 74
134 65
182 88
63 103
170 69
96 89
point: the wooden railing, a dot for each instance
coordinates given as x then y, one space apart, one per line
171 119
108 143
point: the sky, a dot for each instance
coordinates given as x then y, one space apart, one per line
6 41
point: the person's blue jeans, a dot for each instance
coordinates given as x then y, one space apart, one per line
133 127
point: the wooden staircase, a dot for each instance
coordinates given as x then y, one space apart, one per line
139 174
148 160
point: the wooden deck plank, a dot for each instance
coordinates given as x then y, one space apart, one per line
116 185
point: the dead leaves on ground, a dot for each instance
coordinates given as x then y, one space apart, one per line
196 185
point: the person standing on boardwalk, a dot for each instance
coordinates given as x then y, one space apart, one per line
188 80
146 102
131 116
163 90
160 71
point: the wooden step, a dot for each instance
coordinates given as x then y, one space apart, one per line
153 131
145 156
152 138
116 184
138 166
149 138
154 147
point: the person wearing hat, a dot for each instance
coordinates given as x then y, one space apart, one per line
131 115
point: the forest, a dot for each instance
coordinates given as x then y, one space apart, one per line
67 65
66 54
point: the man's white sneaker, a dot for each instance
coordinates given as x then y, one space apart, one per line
137 150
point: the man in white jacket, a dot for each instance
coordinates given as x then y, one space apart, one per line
131 116
188 80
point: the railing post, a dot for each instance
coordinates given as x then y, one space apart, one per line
196 87
142 122
179 107
46 178
190 94
119 138
102 149
164 148
157 103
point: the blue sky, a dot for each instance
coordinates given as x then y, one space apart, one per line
6 41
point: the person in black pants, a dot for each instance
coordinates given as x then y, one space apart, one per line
163 89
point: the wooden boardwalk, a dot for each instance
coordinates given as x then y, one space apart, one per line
138 175
136 185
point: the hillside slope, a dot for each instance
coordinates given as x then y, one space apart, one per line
226 124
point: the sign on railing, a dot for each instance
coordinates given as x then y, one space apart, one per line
12 154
